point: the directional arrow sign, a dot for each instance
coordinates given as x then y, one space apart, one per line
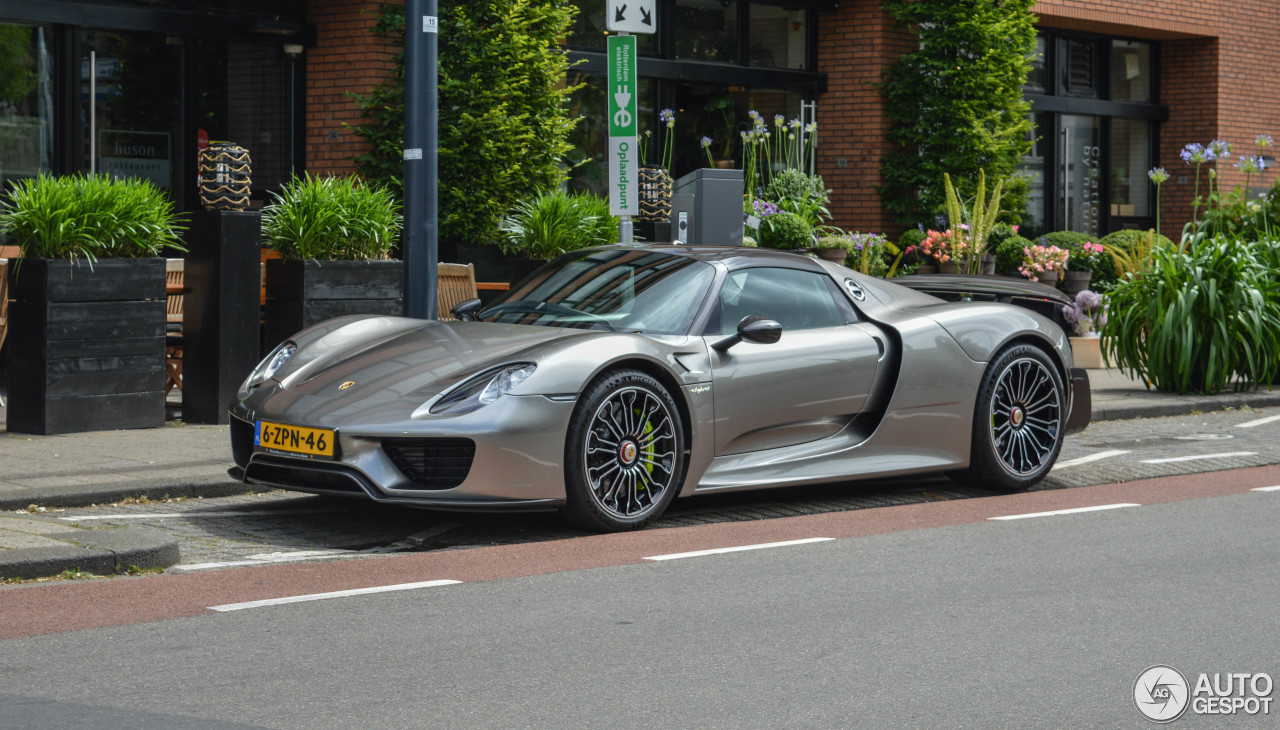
623 153
631 16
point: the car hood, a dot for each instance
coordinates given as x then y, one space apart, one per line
390 364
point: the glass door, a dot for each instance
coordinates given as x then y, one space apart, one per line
26 102
130 105
1080 174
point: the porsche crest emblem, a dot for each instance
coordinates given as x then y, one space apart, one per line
346 385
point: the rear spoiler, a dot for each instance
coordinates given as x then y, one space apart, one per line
1039 298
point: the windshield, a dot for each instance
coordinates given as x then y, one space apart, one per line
625 290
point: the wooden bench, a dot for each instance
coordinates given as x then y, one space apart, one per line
173 280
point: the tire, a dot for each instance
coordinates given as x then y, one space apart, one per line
1018 422
624 454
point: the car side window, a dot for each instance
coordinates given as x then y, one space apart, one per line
798 300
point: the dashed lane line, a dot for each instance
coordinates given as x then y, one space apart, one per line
1258 422
1266 489
1198 457
739 548
1091 457
1072 511
332 594
201 515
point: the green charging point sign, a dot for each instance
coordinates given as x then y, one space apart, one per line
624 153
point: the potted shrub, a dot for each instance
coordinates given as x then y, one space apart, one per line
1043 263
554 223
1009 254
87 322
785 230
334 235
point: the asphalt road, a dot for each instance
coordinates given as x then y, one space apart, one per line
282 527
921 615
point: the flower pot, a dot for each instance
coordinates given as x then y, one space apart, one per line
1049 278
927 269
1087 352
301 293
949 267
87 345
837 255
1074 282
988 264
655 194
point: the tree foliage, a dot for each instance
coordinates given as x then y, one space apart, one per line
503 120
956 104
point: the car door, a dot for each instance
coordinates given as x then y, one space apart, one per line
806 386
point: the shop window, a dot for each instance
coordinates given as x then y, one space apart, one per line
1130 159
26 101
1130 71
706 30
1037 78
777 37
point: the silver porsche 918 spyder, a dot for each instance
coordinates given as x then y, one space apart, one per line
615 379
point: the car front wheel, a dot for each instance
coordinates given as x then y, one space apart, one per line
624 458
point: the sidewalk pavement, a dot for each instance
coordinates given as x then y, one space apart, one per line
77 470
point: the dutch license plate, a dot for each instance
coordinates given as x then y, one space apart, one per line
294 440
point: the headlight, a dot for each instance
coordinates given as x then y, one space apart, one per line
270 365
483 389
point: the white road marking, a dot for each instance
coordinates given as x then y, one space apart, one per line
740 548
1198 457
1266 489
271 558
1072 511
1086 459
200 515
1258 422
333 594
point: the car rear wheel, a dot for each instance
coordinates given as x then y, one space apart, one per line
624 458
1019 421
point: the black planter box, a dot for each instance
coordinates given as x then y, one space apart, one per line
87 345
303 293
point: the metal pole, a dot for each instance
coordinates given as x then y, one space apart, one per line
93 111
421 158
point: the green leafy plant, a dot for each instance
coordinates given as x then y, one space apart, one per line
555 222
1010 252
89 217
956 103
979 216
800 193
1129 251
868 253
1198 318
331 218
785 230
504 120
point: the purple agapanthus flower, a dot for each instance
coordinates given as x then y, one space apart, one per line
1158 175
1263 140
1248 163
1195 153
763 208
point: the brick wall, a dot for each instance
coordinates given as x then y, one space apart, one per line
346 58
1219 62
855 44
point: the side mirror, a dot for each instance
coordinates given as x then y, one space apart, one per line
466 310
752 329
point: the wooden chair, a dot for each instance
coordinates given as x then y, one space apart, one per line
173 273
456 283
